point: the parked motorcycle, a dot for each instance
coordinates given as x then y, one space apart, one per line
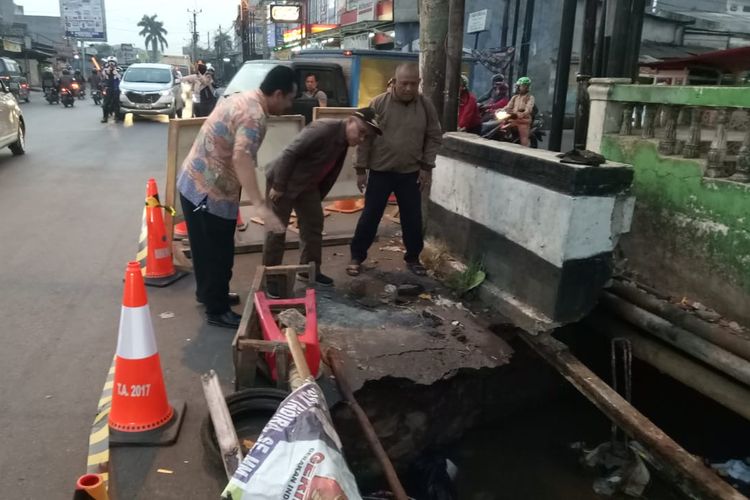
500 129
52 96
67 97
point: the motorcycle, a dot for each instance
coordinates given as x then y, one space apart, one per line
500 129
52 96
78 91
67 97
96 95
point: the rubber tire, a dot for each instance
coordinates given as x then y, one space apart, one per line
27 99
259 399
18 148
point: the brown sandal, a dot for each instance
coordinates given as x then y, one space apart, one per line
354 268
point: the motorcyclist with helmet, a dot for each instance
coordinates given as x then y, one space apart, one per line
110 80
520 109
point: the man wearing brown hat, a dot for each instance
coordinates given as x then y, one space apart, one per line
301 177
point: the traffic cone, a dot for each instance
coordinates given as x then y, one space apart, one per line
241 225
140 413
348 206
90 487
180 231
154 249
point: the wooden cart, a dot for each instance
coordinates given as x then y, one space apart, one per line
248 342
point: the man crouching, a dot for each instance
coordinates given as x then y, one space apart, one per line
301 177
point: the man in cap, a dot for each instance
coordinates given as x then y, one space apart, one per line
301 177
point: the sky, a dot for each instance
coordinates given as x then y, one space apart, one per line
123 15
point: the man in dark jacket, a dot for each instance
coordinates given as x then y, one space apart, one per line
303 175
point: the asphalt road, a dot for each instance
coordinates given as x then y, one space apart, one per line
71 213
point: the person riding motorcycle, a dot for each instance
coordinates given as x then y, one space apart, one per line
94 80
469 117
496 98
520 109
111 81
66 81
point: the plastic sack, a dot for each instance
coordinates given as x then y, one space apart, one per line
296 457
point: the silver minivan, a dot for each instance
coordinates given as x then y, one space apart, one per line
151 89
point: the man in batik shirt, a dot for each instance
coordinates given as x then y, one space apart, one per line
222 161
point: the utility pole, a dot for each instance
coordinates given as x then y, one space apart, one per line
195 31
562 73
601 51
244 14
453 64
433 31
516 13
523 66
585 69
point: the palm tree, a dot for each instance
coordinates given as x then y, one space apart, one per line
153 31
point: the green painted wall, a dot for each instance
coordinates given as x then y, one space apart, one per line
695 225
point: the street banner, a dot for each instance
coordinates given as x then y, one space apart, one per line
296 457
84 19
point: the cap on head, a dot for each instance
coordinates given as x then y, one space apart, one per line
369 116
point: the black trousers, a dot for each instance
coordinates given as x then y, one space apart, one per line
380 185
212 248
111 104
201 109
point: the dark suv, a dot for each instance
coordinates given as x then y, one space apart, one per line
330 80
10 73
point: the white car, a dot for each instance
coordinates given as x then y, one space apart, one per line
151 89
12 125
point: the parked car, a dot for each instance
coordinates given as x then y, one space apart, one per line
10 74
150 89
12 124
330 80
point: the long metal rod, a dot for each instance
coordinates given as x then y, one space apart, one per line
562 73
600 52
686 466
620 35
735 343
701 349
511 66
337 367
506 23
711 384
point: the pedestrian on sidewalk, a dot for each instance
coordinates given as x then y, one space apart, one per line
223 159
203 90
400 162
302 176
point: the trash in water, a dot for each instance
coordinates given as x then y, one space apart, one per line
736 469
444 302
390 292
625 470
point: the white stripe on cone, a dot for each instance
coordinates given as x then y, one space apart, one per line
136 338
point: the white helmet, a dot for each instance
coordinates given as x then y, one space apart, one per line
112 59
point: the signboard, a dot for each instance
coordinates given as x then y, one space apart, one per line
366 10
11 46
286 13
477 21
84 19
355 42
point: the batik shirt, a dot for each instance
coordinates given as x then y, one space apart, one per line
208 174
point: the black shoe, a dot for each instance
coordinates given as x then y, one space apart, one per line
104 120
320 279
234 299
229 319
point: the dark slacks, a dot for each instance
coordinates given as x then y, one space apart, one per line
380 185
310 217
212 248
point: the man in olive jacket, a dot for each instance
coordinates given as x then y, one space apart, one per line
301 177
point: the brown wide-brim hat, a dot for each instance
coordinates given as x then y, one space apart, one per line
369 116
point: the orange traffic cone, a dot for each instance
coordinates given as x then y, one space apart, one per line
90 487
241 225
180 231
154 249
140 413
348 206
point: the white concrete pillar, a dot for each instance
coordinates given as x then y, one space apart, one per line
604 115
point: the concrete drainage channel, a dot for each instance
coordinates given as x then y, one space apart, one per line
517 431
